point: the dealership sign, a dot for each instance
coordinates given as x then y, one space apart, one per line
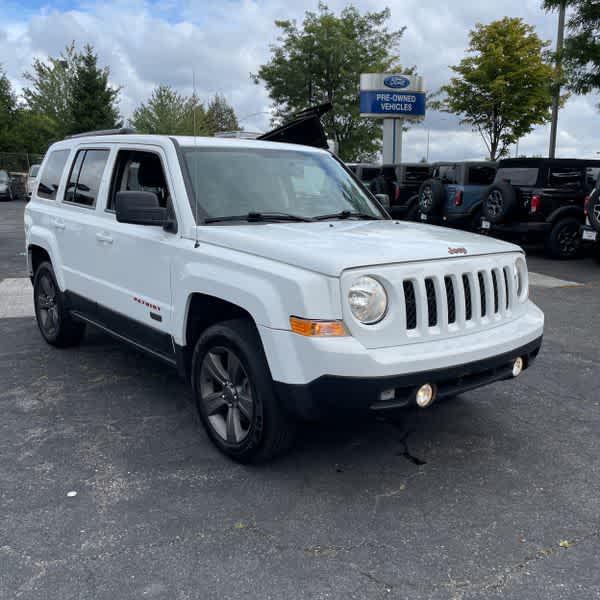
391 95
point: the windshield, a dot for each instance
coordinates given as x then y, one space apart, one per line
238 181
34 170
518 175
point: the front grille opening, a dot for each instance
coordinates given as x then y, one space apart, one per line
482 293
411 305
468 303
450 298
495 283
431 302
505 271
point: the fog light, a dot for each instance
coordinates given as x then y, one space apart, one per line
517 367
425 395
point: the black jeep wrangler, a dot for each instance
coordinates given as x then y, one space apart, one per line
540 199
401 182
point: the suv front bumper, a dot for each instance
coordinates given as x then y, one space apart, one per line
312 373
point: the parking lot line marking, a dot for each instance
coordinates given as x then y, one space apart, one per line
545 281
16 298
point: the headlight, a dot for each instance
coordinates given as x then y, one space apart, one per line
368 300
521 279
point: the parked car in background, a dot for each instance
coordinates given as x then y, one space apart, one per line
590 232
365 172
31 177
454 194
401 182
6 187
540 199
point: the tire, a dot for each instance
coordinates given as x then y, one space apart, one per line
594 211
564 241
235 399
431 196
475 220
55 323
499 202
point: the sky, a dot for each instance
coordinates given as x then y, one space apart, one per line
146 43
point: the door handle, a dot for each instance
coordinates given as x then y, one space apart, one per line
58 224
104 238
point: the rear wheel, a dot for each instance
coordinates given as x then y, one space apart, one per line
54 321
499 202
564 240
235 396
431 196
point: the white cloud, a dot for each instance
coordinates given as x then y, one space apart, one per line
223 42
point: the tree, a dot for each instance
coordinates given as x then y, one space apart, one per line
8 107
581 53
51 88
321 61
503 87
168 112
92 103
220 116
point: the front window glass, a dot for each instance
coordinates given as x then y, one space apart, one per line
238 181
34 170
518 175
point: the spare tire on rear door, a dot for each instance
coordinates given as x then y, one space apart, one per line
499 201
594 210
431 196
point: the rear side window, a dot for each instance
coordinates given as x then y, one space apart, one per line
483 175
86 176
447 174
51 174
518 175
368 173
389 172
568 179
416 174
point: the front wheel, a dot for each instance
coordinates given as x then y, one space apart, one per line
54 321
564 240
235 396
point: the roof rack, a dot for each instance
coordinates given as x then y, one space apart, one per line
120 131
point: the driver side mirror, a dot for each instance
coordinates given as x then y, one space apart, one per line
384 200
140 208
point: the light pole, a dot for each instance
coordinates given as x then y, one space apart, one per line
558 74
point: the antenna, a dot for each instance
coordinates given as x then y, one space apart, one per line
196 242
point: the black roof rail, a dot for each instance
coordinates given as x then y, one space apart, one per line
120 131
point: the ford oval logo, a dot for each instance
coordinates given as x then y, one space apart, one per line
396 81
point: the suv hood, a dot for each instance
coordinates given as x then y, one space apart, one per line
330 247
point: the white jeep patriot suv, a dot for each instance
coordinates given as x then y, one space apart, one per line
271 279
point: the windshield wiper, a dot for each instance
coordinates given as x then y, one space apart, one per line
254 217
347 214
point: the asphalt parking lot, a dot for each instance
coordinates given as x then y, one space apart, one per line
493 495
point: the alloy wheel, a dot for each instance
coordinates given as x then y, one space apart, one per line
426 198
226 395
494 203
46 305
568 240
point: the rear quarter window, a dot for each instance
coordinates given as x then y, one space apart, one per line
416 174
51 174
565 178
368 174
518 175
482 175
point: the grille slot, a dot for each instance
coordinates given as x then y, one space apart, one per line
482 293
506 286
431 302
451 300
496 292
468 303
411 305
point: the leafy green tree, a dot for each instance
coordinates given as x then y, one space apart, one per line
581 53
220 116
504 86
168 112
50 89
93 101
8 107
322 60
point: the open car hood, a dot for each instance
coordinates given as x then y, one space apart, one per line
304 128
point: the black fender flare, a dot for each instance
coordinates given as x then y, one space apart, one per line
566 211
